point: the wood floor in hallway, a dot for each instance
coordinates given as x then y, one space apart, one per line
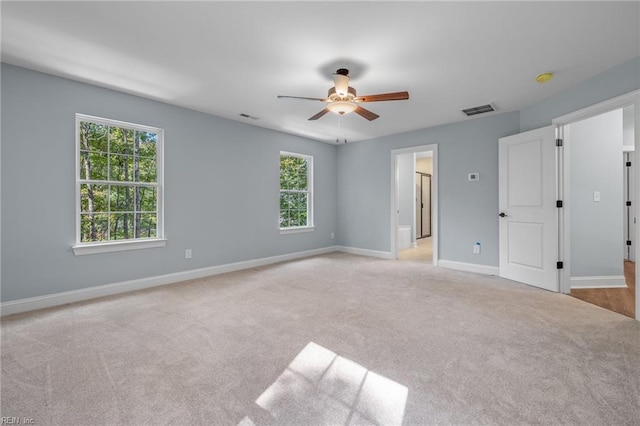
422 253
620 300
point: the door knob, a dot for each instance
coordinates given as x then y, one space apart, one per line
502 214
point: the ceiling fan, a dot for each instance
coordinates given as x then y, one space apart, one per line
342 98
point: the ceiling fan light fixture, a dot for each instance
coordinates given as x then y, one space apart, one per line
342 107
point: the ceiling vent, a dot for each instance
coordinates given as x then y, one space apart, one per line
482 109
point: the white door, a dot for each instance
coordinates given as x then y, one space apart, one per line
528 212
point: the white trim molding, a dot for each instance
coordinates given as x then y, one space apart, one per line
602 107
82 249
365 252
51 300
297 230
469 267
613 281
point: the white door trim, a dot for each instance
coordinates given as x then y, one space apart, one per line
631 98
621 101
394 197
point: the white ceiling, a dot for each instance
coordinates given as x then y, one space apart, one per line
227 58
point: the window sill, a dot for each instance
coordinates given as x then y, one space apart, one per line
83 249
297 230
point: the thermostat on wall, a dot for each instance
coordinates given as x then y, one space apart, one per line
474 177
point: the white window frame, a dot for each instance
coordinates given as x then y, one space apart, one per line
80 248
310 227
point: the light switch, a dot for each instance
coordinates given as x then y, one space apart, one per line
596 196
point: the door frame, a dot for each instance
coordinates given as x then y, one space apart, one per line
631 98
394 197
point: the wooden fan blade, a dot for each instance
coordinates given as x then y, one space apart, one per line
320 114
396 96
302 97
366 113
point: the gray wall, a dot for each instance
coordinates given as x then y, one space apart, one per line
227 222
221 188
468 211
628 128
595 158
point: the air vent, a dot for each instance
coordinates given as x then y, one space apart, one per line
242 114
478 110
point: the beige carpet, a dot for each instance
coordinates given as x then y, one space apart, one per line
334 339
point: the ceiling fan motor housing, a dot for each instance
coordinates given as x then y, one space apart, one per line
341 82
349 96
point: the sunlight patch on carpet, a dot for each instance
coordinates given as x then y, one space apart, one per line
320 386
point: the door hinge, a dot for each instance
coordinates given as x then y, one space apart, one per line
559 265
628 163
628 242
559 204
559 142
628 203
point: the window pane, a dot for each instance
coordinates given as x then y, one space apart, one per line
121 198
93 165
298 201
148 199
120 141
93 198
285 201
121 168
93 227
93 137
293 173
285 216
121 226
146 143
294 221
146 225
146 169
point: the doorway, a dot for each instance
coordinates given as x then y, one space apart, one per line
600 268
600 209
406 218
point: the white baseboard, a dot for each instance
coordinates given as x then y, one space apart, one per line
469 267
365 252
50 300
613 281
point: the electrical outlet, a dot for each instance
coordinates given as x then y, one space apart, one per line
476 248
187 254
332 236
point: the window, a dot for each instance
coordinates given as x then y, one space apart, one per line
296 192
119 185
